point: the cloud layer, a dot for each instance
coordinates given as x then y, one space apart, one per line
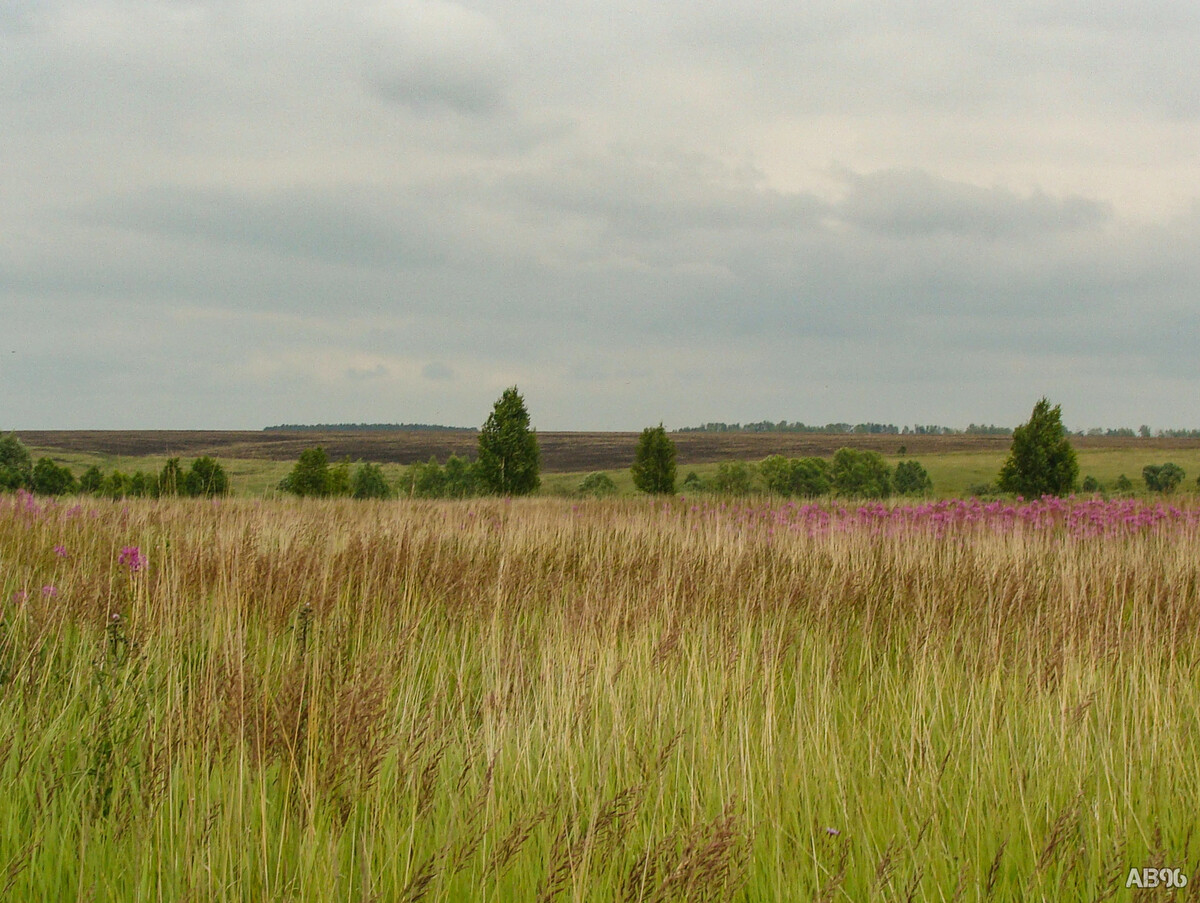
222 214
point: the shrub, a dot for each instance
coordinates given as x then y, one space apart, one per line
597 484
171 479
16 464
339 482
1091 484
1123 484
654 462
733 477
52 479
911 478
1162 477
92 480
509 459
860 474
206 478
370 483
795 476
693 483
1041 460
310 475
461 479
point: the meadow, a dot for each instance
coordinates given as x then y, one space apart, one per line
627 699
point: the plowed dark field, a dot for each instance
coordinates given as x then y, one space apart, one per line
561 451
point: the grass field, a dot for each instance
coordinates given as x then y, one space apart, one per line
253 700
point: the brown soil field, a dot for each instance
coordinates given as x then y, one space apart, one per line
562 452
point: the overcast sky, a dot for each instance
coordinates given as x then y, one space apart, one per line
222 214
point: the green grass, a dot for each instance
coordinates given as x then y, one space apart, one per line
560 700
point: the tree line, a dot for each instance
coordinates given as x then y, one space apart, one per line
204 477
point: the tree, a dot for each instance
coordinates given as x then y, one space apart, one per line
51 479
171 479
1041 460
16 464
92 480
733 478
860 474
509 459
911 478
310 475
370 483
1162 477
206 478
654 462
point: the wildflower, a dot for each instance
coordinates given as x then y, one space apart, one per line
132 558
61 551
20 596
49 591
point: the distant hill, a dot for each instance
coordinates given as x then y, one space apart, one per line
366 427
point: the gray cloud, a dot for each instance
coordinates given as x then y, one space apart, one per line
223 214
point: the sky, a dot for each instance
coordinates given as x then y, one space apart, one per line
226 215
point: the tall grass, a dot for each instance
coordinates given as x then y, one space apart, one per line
617 700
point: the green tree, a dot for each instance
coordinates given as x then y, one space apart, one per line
340 481
310 475
1123 484
795 476
370 483
51 479
92 480
509 458
171 478
911 478
860 474
206 478
1041 460
460 478
733 478
16 464
654 462
1162 477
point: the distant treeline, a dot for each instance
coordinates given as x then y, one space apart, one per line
783 426
975 429
367 427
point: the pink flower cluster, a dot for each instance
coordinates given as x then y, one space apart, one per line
1077 517
132 558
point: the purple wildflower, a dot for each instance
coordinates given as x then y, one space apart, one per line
61 551
49 591
132 558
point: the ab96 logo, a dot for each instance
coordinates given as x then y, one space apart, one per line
1156 878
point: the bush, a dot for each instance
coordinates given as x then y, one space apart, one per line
654 462
461 478
339 482
693 483
795 476
598 485
1123 484
509 458
51 479
310 475
1091 484
171 479
911 478
1162 477
92 480
16 464
733 478
370 483
1041 460
860 474
206 478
